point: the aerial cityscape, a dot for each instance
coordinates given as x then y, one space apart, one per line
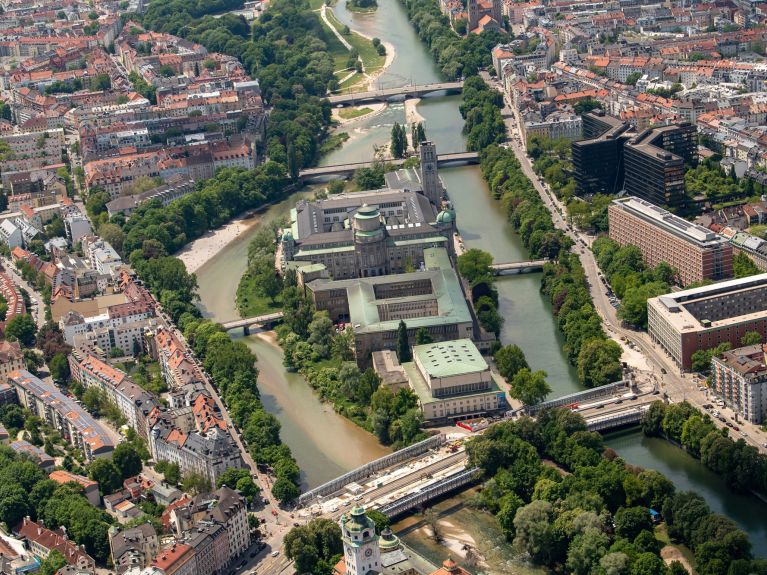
383 287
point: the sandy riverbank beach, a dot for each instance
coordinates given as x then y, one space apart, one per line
203 249
411 111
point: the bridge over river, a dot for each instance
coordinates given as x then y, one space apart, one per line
350 168
407 479
387 94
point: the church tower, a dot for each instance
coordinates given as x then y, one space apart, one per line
432 187
472 7
361 551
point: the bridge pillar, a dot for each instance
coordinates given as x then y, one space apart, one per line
246 330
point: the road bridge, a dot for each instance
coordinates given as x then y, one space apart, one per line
350 168
511 268
248 323
368 469
460 479
581 397
623 418
392 94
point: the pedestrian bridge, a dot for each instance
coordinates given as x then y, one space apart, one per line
350 168
386 94
511 268
247 323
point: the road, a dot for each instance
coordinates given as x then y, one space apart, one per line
679 386
37 311
276 526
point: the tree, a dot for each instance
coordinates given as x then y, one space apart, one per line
474 265
171 471
743 266
195 483
648 564
285 490
614 563
127 460
106 473
534 532
97 202
631 521
701 360
21 328
398 141
403 346
586 550
315 546
381 520
422 336
510 359
52 563
599 362
529 387
751 338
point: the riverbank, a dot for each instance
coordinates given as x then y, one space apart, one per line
205 248
367 111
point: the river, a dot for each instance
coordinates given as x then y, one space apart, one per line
326 444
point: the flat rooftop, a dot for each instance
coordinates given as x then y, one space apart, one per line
450 358
669 222
364 303
674 306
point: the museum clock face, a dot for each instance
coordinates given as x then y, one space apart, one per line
368 552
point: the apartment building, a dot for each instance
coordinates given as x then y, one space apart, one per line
11 359
121 326
694 251
62 413
702 318
134 547
225 507
34 454
176 187
43 541
133 402
90 487
178 559
739 377
12 297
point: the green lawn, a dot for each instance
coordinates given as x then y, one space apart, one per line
251 304
351 113
369 55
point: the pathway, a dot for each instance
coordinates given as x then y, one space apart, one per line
323 14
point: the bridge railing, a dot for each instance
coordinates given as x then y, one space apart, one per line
579 397
617 420
407 503
364 471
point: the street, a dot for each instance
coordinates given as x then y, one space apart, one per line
38 307
678 386
277 526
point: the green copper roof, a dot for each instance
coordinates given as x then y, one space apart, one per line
366 212
445 217
449 358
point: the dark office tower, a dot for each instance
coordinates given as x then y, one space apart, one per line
598 159
655 163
